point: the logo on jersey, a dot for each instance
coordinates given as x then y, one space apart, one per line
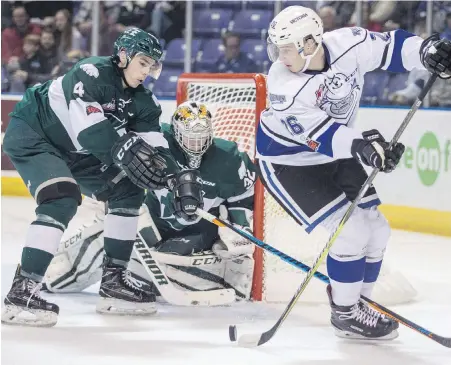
111 106
90 109
356 31
339 95
319 94
122 104
277 99
384 36
313 145
90 69
292 21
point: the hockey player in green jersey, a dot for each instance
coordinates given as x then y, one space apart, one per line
194 254
94 131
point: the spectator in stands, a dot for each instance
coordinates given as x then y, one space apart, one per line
108 13
6 11
43 9
233 60
47 51
415 82
447 32
441 93
328 16
31 69
5 80
13 36
343 10
133 14
66 35
168 20
49 22
68 61
402 15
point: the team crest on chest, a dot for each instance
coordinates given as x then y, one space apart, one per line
338 96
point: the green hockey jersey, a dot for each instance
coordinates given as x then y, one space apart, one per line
87 109
228 178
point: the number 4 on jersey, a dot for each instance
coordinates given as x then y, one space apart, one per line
78 89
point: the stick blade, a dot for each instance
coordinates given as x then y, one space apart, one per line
249 340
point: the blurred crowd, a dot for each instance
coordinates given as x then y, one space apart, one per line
41 40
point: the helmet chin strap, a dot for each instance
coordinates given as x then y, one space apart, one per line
308 58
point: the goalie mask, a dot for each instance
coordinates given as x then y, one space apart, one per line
193 130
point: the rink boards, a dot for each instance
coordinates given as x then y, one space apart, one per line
416 197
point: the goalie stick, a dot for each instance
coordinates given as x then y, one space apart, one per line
445 341
253 340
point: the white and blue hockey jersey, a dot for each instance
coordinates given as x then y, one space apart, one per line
311 114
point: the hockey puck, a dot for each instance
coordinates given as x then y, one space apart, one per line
232 333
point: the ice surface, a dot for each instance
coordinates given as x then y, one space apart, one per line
199 336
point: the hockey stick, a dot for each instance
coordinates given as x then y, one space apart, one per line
445 341
252 340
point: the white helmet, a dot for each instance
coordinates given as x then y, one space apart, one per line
294 24
193 130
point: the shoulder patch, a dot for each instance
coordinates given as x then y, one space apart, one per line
90 69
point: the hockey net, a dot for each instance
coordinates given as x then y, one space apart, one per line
236 101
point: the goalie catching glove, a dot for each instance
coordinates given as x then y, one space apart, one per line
231 244
373 151
140 161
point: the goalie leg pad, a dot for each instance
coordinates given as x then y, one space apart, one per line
238 274
77 263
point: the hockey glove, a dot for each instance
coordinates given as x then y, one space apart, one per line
435 54
140 161
373 151
187 189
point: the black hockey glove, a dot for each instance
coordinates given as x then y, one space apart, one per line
187 189
140 161
116 180
435 54
373 151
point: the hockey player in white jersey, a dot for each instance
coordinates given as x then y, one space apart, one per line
310 157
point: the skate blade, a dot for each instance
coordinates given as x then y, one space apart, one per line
355 336
124 308
17 316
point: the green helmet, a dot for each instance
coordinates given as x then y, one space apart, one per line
134 41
